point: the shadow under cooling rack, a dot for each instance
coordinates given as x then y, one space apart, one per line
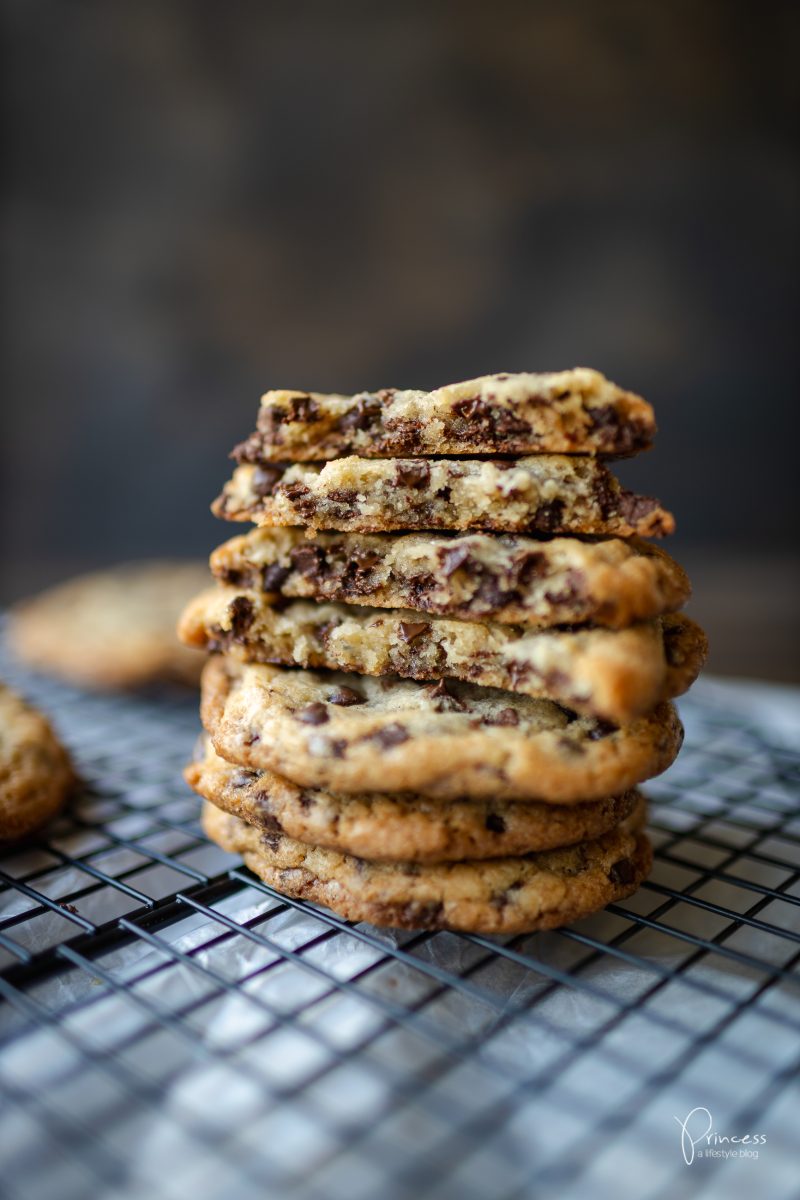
173 1027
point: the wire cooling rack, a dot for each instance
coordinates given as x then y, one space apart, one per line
172 1027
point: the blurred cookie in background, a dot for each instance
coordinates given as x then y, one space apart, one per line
113 628
36 774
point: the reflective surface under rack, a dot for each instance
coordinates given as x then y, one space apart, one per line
172 1027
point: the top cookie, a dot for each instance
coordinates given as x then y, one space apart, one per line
112 628
564 412
35 770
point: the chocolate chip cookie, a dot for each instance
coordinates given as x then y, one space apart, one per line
350 733
565 412
546 493
520 580
500 895
36 775
384 826
112 628
613 674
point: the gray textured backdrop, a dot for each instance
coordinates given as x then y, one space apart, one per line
203 200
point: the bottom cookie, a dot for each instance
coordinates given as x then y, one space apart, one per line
35 771
388 826
500 895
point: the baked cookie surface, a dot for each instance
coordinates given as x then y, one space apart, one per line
564 412
379 826
113 628
505 577
613 674
36 775
350 733
501 895
546 493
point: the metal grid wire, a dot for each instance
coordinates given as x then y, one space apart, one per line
173 1027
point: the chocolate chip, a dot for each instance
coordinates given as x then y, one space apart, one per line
549 516
617 434
412 629
295 491
478 418
412 473
308 560
622 872
338 747
241 614
444 699
529 566
635 508
506 716
264 479
601 729
458 557
241 778
420 914
313 714
273 576
495 823
391 735
360 416
302 408
343 495
345 696
305 801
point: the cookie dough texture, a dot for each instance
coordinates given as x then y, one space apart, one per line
382 826
448 739
501 895
503 577
36 775
613 674
564 412
113 628
547 493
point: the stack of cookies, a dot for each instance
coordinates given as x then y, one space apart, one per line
444 659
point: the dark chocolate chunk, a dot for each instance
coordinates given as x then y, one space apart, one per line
618 435
241 614
273 576
549 516
305 801
622 872
345 696
601 729
480 419
391 735
412 473
361 415
302 408
309 561
458 557
495 823
295 491
633 507
264 479
422 914
338 747
346 496
445 700
412 629
506 716
313 714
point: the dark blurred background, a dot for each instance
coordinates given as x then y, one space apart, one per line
204 200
